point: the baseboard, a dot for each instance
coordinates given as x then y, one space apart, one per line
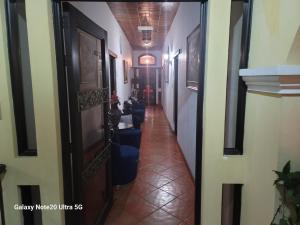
185 162
180 150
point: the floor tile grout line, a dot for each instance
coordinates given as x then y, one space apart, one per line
173 156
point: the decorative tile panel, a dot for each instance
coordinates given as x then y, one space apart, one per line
96 163
91 98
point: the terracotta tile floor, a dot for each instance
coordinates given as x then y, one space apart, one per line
163 192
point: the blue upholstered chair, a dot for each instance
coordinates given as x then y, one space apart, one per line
139 109
137 105
124 163
131 137
137 118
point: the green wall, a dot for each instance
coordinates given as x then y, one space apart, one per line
272 122
45 169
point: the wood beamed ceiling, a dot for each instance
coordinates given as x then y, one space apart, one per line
159 15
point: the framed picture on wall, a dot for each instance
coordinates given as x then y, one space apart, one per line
193 59
166 66
125 73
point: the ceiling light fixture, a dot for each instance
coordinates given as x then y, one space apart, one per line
168 5
146 29
147 44
146 37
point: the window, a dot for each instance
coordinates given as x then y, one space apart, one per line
21 77
147 59
231 204
239 39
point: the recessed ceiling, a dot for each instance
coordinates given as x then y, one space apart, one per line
130 15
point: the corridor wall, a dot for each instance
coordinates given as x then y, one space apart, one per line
185 21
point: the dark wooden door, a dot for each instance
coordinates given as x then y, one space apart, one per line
89 162
112 64
147 84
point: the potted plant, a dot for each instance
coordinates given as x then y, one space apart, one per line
288 185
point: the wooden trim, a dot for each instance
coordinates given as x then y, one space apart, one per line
72 187
2 171
30 196
112 74
63 105
237 204
112 53
16 81
199 120
2 220
232 151
242 88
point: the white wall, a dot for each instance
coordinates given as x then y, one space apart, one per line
100 13
137 53
186 19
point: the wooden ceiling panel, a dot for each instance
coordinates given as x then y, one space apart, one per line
130 15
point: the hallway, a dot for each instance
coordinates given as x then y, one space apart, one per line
163 192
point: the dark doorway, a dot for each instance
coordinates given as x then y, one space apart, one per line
73 182
147 85
112 68
175 110
159 88
87 165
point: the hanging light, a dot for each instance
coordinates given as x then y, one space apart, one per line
146 37
146 30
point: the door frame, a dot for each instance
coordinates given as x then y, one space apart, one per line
60 62
199 119
175 95
73 196
113 79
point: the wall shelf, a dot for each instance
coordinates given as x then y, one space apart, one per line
282 79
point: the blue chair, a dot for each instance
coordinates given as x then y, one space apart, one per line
124 163
137 105
131 137
138 109
137 119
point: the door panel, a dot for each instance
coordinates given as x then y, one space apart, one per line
90 61
90 164
147 77
92 119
